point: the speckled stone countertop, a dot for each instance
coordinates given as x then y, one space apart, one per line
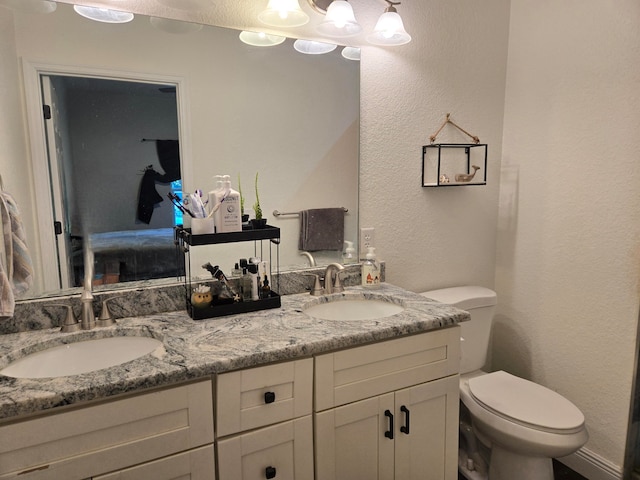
195 349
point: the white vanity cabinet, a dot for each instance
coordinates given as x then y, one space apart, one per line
389 410
264 426
167 434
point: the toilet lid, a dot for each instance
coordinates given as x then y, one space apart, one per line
525 402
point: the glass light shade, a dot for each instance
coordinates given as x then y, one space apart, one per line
261 39
174 26
340 20
103 14
283 13
351 53
311 47
389 31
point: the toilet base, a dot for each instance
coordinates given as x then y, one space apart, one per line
508 465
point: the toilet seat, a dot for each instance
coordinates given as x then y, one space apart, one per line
526 403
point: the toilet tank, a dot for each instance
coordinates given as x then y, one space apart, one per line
480 302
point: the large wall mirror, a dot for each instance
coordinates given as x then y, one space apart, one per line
229 107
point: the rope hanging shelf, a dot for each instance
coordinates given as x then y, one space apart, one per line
454 164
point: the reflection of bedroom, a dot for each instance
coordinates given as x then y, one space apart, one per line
103 163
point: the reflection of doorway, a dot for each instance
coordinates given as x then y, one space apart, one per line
96 160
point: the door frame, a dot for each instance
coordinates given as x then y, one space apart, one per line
42 197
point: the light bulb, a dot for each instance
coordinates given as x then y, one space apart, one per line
339 20
283 13
389 30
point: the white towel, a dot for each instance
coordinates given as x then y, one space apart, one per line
16 275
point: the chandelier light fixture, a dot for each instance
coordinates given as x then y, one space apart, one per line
340 20
389 30
283 13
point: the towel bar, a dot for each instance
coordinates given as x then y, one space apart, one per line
277 213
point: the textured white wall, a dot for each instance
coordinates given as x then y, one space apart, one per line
568 250
456 63
13 146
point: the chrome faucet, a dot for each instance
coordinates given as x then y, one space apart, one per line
329 285
312 261
87 317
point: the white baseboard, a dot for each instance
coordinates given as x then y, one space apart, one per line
592 466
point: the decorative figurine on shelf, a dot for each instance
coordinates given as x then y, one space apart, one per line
201 296
467 177
258 222
444 178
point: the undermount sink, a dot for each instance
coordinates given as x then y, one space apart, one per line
80 357
353 309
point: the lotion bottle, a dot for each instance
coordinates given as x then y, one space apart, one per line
212 196
370 270
227 216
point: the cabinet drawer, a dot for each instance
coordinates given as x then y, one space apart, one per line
261 396
198 464
283 452
96 439
362 372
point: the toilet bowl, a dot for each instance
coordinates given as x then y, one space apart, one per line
523 424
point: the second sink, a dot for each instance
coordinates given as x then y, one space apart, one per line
353 309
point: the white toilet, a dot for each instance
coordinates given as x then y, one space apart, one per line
523 424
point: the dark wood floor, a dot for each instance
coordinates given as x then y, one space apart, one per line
560 471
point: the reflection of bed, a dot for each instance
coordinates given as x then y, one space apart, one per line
135 254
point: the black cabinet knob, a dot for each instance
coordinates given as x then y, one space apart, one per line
269 397
270 472
389 433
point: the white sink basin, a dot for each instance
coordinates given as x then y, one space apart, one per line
80 357
353 309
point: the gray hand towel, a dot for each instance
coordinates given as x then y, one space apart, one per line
321 229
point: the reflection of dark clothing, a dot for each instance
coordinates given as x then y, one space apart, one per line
169 157
148 196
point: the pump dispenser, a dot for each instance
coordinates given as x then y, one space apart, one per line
370 270
227 216
212 197
349 254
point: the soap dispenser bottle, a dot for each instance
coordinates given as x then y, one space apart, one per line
370 270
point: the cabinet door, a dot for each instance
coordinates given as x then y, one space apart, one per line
427 431
282 452
196 464
351 442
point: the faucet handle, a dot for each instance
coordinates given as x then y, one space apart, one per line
70 323
317 288
105 319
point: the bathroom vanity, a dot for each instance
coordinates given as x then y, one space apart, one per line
252 393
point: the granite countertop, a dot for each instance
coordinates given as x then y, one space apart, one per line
195 349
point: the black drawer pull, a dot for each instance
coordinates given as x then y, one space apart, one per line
270 472
269 397
389 433
405 428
